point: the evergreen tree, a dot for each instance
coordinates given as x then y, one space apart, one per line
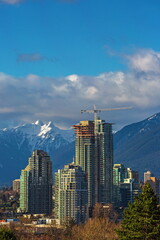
7 234
142 218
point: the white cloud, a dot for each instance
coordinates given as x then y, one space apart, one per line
145 60
62 89
72 78
91 93
33 96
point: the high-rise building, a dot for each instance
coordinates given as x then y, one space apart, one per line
94 153
85 155
126 192
119 174
104 158
16 185
129 188
40 183
36 184
70 194
24 189
133 175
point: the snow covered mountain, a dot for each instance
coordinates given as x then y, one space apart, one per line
17 144
39 135
136 145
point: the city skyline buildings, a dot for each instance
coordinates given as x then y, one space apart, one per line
126 185
94 162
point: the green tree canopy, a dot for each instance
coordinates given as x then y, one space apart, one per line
7 234
142 218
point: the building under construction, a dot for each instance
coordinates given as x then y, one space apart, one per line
94 153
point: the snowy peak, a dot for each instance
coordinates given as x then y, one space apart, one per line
154 118
39 134
29 129
44 130
146 125
38 122
141 127
41 130
49 129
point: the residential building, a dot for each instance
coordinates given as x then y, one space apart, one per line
70 194
36 184
16 185
40 183
24 189
104 158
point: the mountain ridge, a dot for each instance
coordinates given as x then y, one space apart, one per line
135 145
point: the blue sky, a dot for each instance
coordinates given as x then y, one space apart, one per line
59 56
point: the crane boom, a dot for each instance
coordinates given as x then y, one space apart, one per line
95 110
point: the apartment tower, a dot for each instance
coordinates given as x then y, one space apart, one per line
36 184
94 153
40 183
24 189
70 194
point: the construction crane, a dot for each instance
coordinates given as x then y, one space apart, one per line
95 111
